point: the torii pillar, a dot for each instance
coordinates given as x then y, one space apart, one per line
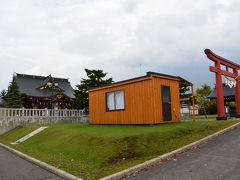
218 61
237 93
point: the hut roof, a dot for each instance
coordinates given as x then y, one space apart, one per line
182 81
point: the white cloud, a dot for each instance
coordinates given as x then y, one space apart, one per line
62 37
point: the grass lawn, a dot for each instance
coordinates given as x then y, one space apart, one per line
211 116
94 151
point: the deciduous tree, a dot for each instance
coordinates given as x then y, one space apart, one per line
201 97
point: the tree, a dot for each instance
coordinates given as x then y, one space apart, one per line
3 93
211 107
13 97
95 79
201 97
184 92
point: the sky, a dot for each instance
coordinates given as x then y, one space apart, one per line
125 38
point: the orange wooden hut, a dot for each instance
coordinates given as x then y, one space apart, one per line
150 99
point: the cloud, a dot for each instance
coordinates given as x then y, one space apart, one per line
125 38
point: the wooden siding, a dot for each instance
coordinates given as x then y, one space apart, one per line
143 104
157 99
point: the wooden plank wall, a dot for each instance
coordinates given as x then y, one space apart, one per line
142 103
157 100
138 105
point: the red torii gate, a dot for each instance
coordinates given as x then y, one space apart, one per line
217 69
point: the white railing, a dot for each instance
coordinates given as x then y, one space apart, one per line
6 112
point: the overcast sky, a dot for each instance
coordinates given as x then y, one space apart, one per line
125 38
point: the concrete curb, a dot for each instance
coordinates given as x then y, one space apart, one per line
140 167
41 164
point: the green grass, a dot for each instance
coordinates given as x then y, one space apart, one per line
211 116
94 151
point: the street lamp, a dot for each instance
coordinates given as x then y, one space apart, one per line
52 86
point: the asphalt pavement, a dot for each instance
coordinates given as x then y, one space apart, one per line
219 159
13 167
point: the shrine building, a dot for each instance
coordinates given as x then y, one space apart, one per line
40 92
228 93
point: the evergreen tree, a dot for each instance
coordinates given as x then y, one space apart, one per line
13 97
184 92
95 79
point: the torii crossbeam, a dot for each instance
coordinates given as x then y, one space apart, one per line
222 67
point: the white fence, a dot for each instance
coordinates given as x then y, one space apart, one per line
189 110
6 112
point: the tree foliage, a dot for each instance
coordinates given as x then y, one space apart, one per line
95 78
13 97
211 107
231 105
3 93
184 92
201 96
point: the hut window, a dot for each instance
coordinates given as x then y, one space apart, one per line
110 101
119 100
115 100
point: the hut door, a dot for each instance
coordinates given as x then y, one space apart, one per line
166 103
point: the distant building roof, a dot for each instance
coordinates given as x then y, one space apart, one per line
227 91
29 85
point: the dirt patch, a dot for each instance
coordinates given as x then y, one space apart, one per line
125 148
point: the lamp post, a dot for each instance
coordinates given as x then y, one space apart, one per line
52 86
